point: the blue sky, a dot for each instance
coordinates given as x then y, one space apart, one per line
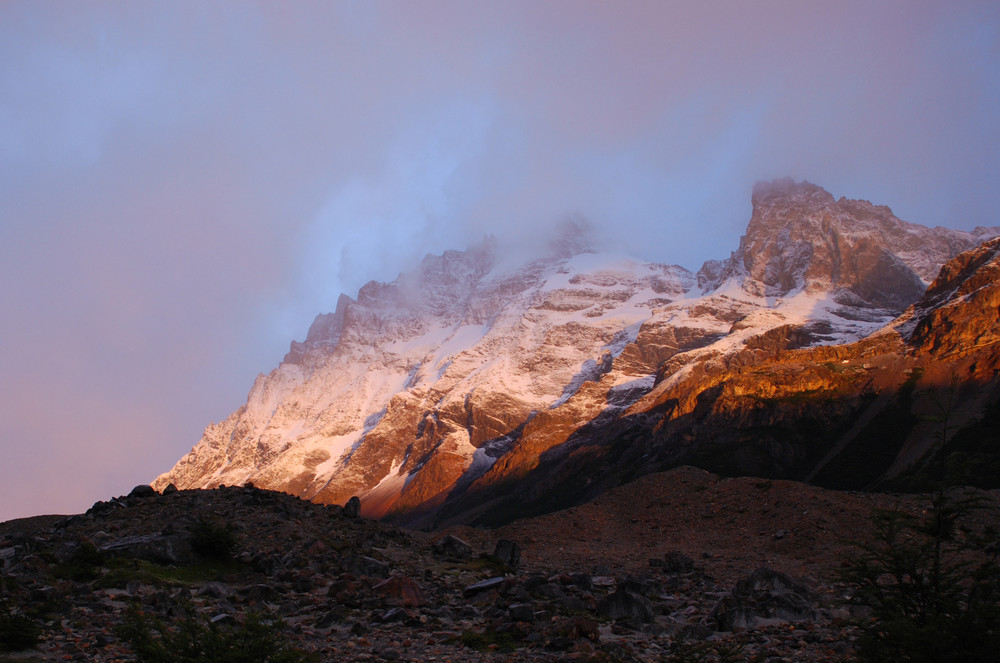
185 185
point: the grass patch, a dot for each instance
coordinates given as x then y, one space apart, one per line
488 640
123 571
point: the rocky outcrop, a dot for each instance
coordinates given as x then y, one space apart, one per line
959 313
895 409
800 237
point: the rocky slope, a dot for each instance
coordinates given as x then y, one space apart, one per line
657 570
913 403
479 386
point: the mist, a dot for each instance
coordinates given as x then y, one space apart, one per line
185 185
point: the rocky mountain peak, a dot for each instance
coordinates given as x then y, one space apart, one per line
802 239
786 190
572 237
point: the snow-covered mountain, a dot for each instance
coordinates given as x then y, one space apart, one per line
464 373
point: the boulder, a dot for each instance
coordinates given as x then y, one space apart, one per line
677 562
360 565
143 490
400 591
156 548
521 612
624 604
452 546
484 586
507 553
762 598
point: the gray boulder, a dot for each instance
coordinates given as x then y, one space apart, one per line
156 548
361 565
507 553
762 598
452 546
627 605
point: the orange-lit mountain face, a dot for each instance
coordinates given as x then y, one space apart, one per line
481 388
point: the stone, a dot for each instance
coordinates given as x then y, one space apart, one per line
628 605
638 585
353 507
361 565
215 590
508 553
484 586
143 490
452 546
395 615
328 619
572 604
521 612
696 632
764 597
6 556
677 562
400 591
549 590
157 548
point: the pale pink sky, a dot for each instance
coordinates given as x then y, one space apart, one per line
184 185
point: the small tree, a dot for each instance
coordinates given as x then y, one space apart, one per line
932 585
213 541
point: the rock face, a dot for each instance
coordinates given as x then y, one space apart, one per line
480 387
958 315
896 409
800 237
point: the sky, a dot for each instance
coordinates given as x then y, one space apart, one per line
185 185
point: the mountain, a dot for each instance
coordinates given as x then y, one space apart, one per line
483 386
911 404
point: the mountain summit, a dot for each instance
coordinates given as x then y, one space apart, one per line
477 375
799 237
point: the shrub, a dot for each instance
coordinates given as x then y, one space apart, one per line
17 630
213 541
192 639
83 566
932 584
